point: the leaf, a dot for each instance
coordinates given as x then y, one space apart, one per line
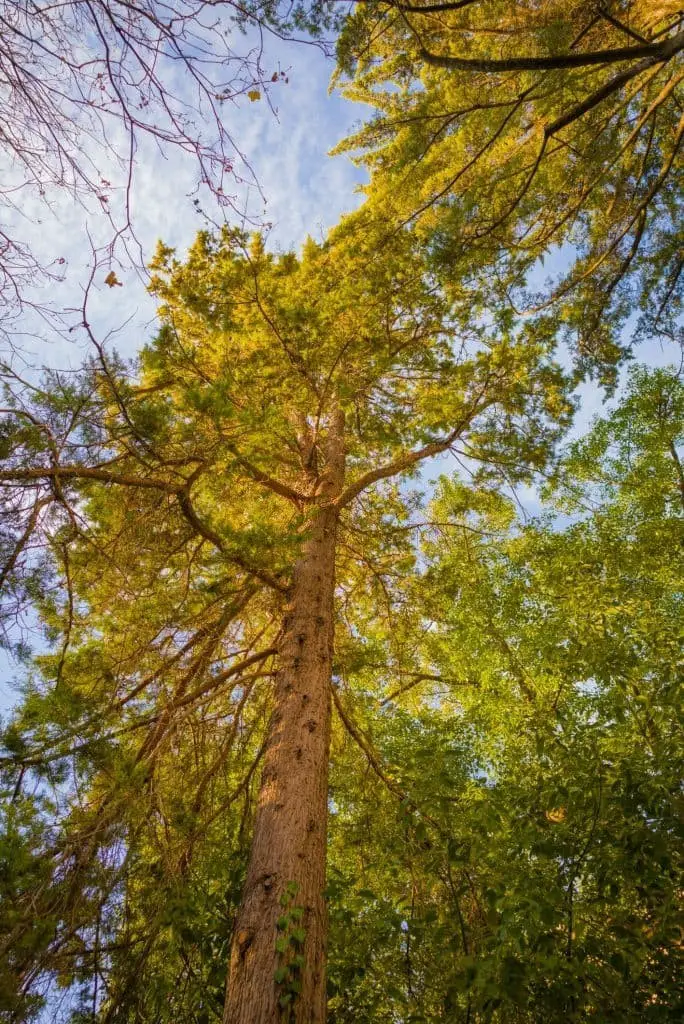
254 95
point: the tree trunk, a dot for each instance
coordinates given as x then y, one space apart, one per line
278 955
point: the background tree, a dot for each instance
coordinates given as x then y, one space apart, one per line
207 528
508 132
529 870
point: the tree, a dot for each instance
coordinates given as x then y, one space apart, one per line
510 133
529 872
232 514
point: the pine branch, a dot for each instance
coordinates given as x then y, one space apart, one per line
206 531
86 473
273 484
654 53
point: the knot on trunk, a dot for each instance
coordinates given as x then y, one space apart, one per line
244 941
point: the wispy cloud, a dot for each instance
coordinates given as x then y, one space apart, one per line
299 191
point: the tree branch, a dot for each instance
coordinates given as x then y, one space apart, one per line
222 677
653 52
273 484
398 465
206 531
86 473
375 764
416 678
408 459
678 466
457 5
601 94
22 541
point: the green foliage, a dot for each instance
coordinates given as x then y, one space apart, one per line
542 187
289 944
506 757
532 871
23 873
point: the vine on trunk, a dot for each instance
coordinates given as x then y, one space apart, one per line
289 945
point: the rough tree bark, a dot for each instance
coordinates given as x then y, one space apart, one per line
286 871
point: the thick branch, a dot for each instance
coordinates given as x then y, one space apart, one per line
457 5
86 473
206 531
188 510
599 95
277 486
222 677
653 52
398 465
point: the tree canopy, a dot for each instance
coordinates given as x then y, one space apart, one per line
508 133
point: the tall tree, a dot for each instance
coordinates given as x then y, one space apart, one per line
510 132
206 523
